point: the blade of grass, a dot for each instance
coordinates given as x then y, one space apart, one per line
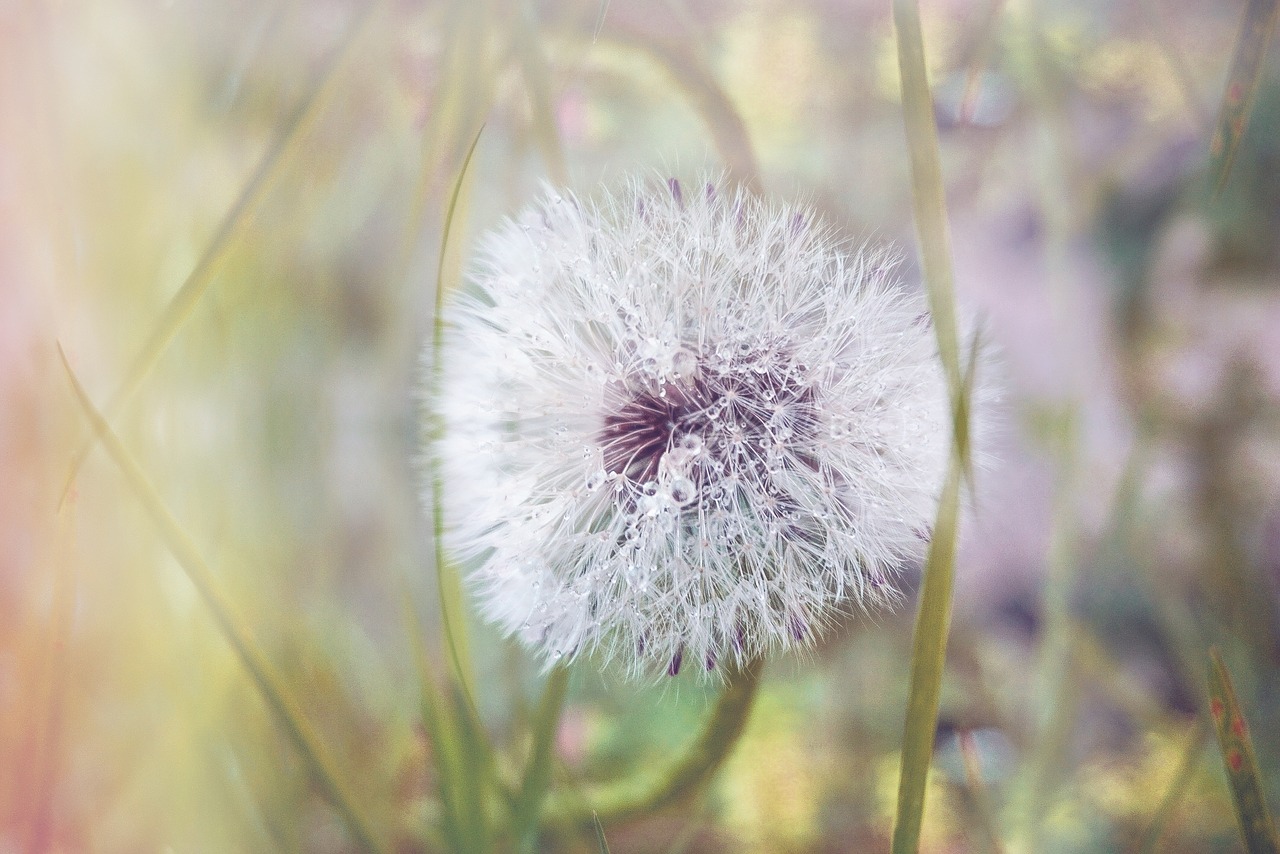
1256 826
450 585
537 771
238 633
440 729
269 170
1256 30
476 751
601 842
1177 787
929 644
928 656
927 191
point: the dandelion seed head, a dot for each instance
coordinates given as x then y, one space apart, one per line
685 426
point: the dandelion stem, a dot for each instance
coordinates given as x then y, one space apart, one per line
645 795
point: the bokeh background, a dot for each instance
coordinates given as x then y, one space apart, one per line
232 211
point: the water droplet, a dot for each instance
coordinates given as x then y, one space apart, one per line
595 480
684 363
683 490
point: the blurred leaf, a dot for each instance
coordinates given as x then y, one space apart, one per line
537 772
928 657
237 632
273 165
978 789
1177 788
538 80
1242 85
1241 764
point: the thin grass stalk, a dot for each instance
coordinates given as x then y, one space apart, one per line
268 681
233 225
441 730
928 658
449 584
933 621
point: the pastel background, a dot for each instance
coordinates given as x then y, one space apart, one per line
232 210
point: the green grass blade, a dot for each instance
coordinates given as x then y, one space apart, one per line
441 729
537 771
933 623
1256 825
601 842
238 218
238 633
450 585
927 190
1177 788
1256 29
928 656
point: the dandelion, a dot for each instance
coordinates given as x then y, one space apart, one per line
685 428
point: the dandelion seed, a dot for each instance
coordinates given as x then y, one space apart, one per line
675 422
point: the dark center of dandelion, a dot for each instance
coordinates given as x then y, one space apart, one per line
742 416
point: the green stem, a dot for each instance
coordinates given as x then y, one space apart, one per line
643 795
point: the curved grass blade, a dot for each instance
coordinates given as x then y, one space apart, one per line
450 586
1256 30
648 792
238 633
475 750
232 226
537 772
1256 825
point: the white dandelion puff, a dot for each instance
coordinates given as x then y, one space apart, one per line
685 428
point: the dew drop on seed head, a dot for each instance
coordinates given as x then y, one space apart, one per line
684 363
682 490
595 480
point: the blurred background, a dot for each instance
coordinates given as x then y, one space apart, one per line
228 215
